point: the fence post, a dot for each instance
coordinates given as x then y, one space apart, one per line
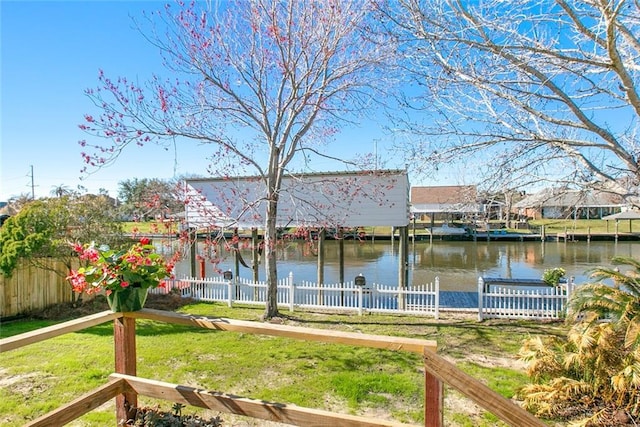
229 293
292 291
480 296
359 289
433 399
437 298
124 337
570 285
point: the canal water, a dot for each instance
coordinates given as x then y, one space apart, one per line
457 264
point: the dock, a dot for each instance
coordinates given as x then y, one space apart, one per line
570 236
458 301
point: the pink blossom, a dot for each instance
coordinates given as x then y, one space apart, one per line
78 281
90 254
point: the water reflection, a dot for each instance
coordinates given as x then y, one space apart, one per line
457 264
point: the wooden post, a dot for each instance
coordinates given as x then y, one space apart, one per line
413 232
256 254
341 254
433 399
341 263
193 240
236 258
256 260
321 252
498 405
202 268
433 224
124 336
481 290
403 263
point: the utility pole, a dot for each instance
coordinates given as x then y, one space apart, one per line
33 187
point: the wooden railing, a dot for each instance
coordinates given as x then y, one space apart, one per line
125 386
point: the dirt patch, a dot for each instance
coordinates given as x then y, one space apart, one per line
24 384
491 361
170 302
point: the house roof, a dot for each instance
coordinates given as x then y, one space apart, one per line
628 214
346 199
446 198
553 197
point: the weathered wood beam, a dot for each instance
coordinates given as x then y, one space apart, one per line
17 341
278 412
82 405
124 338
488 399
433 400
413 345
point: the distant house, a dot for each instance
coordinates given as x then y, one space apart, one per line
448 202
560 203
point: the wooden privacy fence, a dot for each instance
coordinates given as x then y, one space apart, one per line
32 288
125 386
348 296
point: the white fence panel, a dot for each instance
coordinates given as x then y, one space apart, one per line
494 301
331 296
422 299
518 302
346 297
250 292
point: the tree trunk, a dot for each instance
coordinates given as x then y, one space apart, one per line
270 237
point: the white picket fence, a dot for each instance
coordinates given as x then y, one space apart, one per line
523 301
515 302
337 296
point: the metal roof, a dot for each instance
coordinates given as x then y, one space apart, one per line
570 198
328 199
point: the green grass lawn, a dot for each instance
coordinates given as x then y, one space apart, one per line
586 225
40 377
550 225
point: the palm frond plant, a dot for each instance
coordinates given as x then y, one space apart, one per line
592 374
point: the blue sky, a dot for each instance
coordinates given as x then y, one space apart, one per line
51 52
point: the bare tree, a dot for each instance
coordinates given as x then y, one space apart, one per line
264 82
538 90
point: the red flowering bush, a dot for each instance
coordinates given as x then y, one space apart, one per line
139 266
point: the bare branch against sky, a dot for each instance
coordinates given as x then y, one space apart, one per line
262 83
540 91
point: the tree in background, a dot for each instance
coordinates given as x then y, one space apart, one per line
538 91
60 190
43 229
143 199
263 82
